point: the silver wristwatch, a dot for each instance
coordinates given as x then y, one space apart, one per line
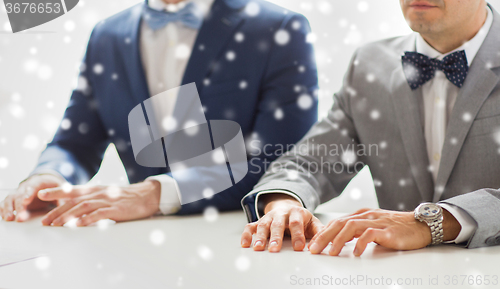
432 215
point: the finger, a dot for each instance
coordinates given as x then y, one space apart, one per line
27 195
8 209
63 192
321 240
370 235
21 207
331 223
84 207
296 226
327 234
369 214
55 213
353 228
262 234
314 227
18 207
246 236
21 200
329 231
97 215
277 232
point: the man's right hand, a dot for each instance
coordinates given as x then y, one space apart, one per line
282 212
25 198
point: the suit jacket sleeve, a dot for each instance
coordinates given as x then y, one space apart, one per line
322 163
77 149
279 121
482 206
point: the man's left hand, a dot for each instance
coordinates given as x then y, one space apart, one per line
391 229
90 204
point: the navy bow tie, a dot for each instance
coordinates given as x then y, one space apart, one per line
419 68
190 16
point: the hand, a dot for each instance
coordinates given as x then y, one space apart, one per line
90 204
17 206
282 213
391 229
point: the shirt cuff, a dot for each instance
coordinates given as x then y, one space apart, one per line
258 208
170 199
468 224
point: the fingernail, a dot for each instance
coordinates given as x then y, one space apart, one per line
257 244
356 251
315 249
273 246
244 243
79 223
298 245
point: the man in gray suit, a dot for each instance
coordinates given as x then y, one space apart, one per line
423 111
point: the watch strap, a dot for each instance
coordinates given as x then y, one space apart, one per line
437 232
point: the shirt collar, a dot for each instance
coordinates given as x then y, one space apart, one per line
160 5
470 47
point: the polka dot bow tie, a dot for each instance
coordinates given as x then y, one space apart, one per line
419 68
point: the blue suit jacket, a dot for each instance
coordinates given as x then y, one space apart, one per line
276 75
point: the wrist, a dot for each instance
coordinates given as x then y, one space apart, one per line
154 188
272 201
451 227
424 228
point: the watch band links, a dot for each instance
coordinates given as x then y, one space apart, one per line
436 232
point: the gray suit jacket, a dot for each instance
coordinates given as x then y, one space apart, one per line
376 110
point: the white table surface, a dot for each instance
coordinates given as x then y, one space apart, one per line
201 253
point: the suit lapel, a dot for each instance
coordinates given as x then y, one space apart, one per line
130 44
218 28
407 109
478 85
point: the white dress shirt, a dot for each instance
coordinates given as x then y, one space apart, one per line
165 54
439 96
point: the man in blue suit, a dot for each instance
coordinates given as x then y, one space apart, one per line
251 64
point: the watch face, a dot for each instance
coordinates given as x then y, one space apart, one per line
429 211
